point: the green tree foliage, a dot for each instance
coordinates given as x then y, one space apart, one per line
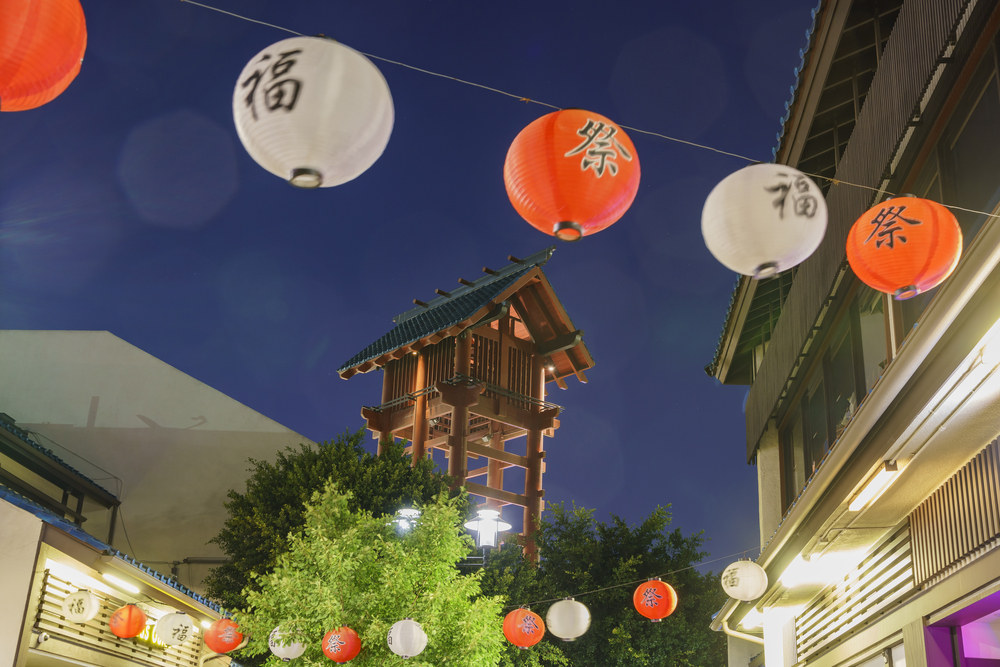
579 553
272 507
347 567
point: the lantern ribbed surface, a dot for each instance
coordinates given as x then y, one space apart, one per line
81 606
223 636
127 622
41 47
568 619
174 629
764 219
284 648
655 600
406 638
571 173
905 246
341 644
313 111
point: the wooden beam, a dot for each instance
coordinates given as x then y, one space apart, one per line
496 494
561 384
560 343
498 455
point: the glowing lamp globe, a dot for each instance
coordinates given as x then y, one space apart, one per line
223 636
655 600
905 246
174 629
764 219
567 619
571 173
312 111
341 644
41 48
127 622
406 638
81 606
523 628
283 647
744 580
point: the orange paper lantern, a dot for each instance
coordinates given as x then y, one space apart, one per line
523 628
571 173
655 600
223 636
904 246
41 48
341 644
127 622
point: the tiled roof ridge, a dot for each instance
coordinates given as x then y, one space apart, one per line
76 531
24 436
804 54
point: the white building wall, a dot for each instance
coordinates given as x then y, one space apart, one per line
20 535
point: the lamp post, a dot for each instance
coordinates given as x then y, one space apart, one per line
487 526
405 519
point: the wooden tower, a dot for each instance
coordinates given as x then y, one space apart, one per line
466 373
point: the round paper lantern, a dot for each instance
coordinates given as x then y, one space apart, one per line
744 580
312 111
905 246
568 619
41 48
127 622
523 628
174 629
764 219
655 600
223 636
406 638
81 606
284 649
571 173
341 644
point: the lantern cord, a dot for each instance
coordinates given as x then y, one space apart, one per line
832 179
627 583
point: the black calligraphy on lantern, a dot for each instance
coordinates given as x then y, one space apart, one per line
600 148
528 625
887 226
650 598
334 643
731 578
181 633
279 90
76 606
794 192
228 635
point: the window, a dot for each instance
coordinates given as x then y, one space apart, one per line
850 364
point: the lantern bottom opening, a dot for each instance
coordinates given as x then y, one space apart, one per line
765 270
904 293
567 231
655 620
305 178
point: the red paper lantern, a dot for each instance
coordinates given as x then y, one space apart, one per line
41 48
655 600
127 622
523 628
223 636
341 644
571 173
905 246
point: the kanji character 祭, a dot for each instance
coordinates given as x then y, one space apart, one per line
334 644
600 148
528 625
651 598
887 226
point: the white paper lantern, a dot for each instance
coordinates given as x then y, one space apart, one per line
282 648
406 638
567 619
81 606
764 219
744 580
313 111
174 629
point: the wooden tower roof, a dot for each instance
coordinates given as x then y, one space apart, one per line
521 285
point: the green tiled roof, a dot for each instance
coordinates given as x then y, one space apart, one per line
443 315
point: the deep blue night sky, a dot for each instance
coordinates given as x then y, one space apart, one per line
128 204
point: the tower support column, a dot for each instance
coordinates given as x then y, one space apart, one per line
420 409
533 473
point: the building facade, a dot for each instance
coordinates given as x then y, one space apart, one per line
873 423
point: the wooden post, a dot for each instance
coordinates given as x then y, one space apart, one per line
420 410
458 465
533 472
494 468
388 378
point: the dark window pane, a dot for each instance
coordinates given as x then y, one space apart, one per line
814 414
843 394
793 459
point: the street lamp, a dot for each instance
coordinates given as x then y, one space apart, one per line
405 519
487 526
